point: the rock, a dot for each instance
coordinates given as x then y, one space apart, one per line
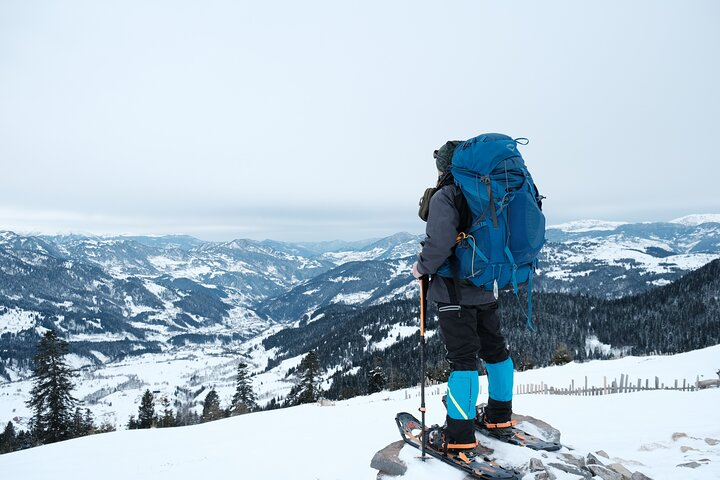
678 435
387 460
593 460
571 469
546 475
548 431
603 454
604 472
639 476
712 441
685 449
690 465
572 459
536 465
618 468
649 447
484 451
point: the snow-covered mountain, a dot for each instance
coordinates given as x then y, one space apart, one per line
698 219
338 441
153 292
128 303
614 259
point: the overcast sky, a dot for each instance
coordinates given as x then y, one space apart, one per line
317 120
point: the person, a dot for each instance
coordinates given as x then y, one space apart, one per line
469 322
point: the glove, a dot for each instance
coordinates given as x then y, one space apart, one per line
415 271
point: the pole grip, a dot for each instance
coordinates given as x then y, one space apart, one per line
423 303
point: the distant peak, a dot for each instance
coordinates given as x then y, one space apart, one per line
587 226
697 219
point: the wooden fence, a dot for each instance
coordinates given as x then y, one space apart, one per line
623 385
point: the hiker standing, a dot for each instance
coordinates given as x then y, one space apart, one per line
469 321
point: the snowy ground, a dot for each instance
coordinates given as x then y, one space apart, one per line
113 391
337 442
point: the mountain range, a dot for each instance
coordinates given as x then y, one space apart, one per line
151 292
129 301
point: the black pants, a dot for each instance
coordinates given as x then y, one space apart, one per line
469 332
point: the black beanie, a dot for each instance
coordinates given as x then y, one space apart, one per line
443 155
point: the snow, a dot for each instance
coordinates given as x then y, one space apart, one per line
410 290
15 320
338 258
352 298
337 442
697 219
626 252
580 226
392 337
668 368
100 356
344 279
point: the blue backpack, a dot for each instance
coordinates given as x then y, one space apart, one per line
499 250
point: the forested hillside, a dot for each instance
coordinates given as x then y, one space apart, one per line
679 317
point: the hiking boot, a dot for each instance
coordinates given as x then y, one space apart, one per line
435 438
499 429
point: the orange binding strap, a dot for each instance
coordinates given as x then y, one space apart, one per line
509 424
461 446
464 457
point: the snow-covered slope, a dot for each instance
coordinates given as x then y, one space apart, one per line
581 226
642 431
614 259
698 219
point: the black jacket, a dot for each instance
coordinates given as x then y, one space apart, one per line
443 225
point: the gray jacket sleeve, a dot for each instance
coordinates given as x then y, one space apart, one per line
441 231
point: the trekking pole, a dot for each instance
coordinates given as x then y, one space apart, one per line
423 310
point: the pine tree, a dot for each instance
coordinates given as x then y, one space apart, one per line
8 439
309 387
88 422
146 411
132 423
377 379
244 400
51 400
23 440
211 407
168 416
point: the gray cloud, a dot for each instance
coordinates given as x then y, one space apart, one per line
235 119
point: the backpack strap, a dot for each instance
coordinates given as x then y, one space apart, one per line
491 202
464 211
465 216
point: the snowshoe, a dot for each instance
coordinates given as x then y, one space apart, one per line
463 459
